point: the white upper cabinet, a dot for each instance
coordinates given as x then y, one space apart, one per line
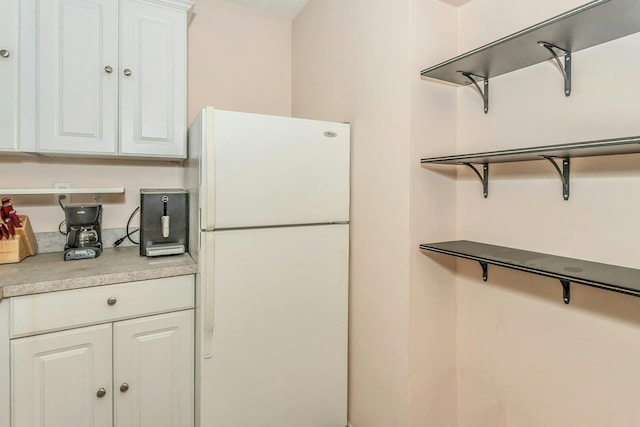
153 80
111 77
77 87
9 58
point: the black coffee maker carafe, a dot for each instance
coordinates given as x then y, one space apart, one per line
83 231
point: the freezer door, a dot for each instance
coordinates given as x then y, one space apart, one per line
269 170
278 337
193 181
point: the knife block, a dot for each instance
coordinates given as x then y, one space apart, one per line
24 244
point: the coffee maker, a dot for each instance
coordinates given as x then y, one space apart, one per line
83 231
164 221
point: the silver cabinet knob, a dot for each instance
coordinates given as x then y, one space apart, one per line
127 72
112 300
124 387
5 53
101 392
108 69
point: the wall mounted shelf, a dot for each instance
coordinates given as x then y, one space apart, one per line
33 191
97 192
594 23
566 270
564 152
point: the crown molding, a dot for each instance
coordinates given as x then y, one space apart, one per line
185 5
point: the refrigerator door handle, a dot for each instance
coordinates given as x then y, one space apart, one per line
207 170
208 290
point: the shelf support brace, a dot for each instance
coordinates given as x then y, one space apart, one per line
485 268
484 178
564 173
484 94
566 68
566 290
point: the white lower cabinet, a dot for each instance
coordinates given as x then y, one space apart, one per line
137 372
153 371
58 378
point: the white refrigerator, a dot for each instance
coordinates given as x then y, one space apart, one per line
269 208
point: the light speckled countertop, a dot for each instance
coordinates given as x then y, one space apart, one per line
49 272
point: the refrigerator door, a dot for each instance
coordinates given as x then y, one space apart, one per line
260 170
277 338
193 175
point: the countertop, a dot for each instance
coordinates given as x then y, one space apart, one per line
49 272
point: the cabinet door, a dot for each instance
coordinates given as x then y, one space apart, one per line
8 75
77 101
153 371
153 47
56 379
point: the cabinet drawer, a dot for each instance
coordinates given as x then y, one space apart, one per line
35 314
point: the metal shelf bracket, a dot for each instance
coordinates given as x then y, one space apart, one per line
484 178
485 268
566 68
566 290
484 93
564 173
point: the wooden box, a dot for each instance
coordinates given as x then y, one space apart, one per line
21 246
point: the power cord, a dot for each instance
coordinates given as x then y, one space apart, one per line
60 197
129 233
59 228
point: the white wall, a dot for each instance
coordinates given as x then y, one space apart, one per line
238 59
526 359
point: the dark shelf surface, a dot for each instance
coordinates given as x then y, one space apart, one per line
627 145
589 25
604 276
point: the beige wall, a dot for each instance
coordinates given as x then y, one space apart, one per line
431 344
238 60
507 352
358 71
44 212
526 359
432 340
364 69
